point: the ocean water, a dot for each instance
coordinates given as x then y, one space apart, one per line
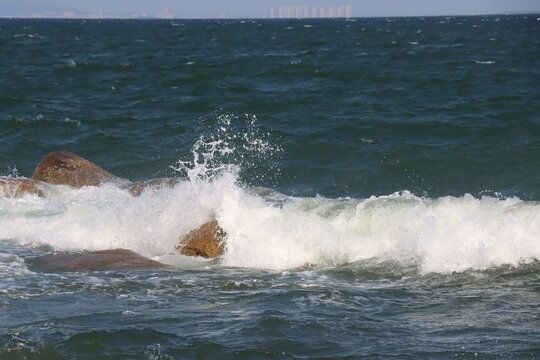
378 181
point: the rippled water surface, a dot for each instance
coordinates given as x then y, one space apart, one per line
377 180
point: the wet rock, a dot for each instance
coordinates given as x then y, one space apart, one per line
138 187
207 241
17 187
116 259
67 168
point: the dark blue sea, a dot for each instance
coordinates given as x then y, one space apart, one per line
378 180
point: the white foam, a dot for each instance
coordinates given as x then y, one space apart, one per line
269 230
93 218
445 234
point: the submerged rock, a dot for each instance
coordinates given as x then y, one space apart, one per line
116 259
17 187
67 168
207 241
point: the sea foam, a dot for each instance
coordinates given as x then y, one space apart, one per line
440 235
269 230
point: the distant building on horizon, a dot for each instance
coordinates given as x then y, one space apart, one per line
303 12
348 11
166 14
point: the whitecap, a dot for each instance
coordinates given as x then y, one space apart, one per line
77 123
488 62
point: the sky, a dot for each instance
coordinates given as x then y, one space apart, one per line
259 8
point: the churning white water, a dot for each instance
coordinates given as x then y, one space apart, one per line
269 230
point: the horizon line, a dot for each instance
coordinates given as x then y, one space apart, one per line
121 17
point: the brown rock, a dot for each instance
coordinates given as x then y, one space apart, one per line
67 168
137 188
117 259
17 187
207 241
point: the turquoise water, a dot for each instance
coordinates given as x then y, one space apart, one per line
377 179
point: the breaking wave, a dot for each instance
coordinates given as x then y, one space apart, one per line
270 230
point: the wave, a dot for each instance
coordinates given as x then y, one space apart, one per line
269 230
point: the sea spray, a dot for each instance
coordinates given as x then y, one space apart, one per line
269 230
231 142
440 235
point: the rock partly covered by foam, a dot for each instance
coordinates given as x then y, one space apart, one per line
138 187
207 241
116 259
66 168
17 187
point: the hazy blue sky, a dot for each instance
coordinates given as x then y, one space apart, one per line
261 8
